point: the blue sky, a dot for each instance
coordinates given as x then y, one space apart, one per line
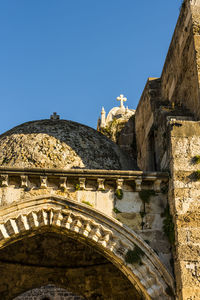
75 56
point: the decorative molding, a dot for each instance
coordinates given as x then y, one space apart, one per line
4 180
120 178
119 183
157 184
82 183
24 181
63 183
84 173
100 182
138 185
43 182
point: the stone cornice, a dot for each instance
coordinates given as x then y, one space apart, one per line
150 176
81 176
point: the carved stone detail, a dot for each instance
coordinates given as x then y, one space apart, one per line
60 181
82 183
148 279
4 180
24 181
43 182
119 183
156 185
138 185
63 183
100 182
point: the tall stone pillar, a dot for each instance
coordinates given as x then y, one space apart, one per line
184 200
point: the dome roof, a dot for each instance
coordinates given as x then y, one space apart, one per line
120 111
60 144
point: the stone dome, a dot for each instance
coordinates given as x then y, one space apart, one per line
121 111
60 144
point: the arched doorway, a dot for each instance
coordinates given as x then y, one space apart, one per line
52 257
28 226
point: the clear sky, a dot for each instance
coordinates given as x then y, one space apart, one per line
75 56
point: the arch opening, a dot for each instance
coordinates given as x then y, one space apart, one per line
88 226
50 257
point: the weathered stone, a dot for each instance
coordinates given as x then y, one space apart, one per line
132 220
42 144
100 206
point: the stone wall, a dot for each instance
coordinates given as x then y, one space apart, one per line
33 252
179 80
151 127
184 195
122 132
127 140
144 125
136 199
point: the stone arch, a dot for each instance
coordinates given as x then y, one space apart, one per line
109 236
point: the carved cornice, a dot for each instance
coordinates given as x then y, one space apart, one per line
118 178
85 172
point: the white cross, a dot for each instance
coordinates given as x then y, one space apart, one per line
55 116
122 99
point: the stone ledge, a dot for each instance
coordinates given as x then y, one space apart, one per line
89 173
137 179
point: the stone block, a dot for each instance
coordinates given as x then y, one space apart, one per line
194 146
187 205
156 204
105 202
188 235
130 202
191 293
87 197
10 194
189 252
188 220
180 147
132 220
153 221
190 273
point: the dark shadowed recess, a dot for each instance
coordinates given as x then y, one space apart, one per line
54 258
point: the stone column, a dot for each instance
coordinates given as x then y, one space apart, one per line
184 200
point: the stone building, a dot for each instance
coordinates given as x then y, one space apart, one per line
113 213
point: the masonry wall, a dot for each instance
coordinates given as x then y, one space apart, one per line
144 121
180 75
136 199
184 195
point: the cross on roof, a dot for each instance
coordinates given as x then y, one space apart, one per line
55 116
122 99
